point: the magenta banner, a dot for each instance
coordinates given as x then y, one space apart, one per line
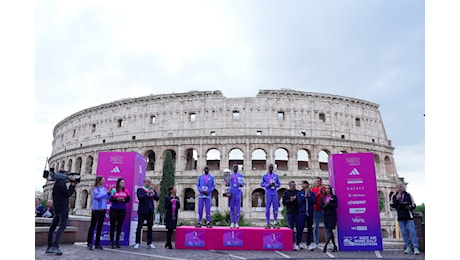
130 166
352 176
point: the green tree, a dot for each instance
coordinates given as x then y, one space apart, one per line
167 180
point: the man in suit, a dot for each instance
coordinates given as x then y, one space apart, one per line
145 194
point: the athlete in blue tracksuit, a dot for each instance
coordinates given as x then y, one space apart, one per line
271 182
235 184
306 199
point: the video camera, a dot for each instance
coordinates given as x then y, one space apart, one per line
62 175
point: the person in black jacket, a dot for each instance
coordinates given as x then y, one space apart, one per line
145 194
172 206
292 207
329 204
61 196
404 204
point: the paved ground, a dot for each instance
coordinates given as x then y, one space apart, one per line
79 251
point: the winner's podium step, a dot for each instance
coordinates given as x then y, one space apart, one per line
226 238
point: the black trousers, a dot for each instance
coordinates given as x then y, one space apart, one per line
97 219
117 216
140 222
169 236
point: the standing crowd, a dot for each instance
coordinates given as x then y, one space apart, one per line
305 208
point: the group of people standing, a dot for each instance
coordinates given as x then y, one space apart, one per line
307 206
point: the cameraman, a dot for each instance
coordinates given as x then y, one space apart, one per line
61 196
404 204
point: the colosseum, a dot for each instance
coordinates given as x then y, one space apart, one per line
295 130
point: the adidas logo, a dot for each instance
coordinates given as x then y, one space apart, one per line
354 172
116 169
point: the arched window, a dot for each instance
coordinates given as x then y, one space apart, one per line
189 199
78 164
323 160
62 165
173 155
69 165
280 197
302 160
213 159
150 160
89 164
191 159
215 200
259 159
388 165
236 156
258 198
382 201
281 159
84 199
377 163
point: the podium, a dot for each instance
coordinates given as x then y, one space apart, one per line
226 238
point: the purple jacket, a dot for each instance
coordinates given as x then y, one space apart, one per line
201 182
265 183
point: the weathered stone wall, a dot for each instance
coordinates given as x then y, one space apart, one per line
201 121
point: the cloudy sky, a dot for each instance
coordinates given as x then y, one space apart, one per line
93 52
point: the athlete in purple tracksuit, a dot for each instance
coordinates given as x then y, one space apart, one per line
205 186
235 184
270 181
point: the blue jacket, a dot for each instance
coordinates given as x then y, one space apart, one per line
100 197
302 200
265 183
235 186
146 205
201 182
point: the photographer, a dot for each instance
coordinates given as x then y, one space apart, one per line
61 194
404 204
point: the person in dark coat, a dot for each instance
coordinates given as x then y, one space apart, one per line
145 194
329 204
172 206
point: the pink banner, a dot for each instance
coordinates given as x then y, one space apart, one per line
352 176
131 167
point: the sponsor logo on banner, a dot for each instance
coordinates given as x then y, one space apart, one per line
356 195
354 181
361 188
357 210
354 172
115 170
356 202
358 220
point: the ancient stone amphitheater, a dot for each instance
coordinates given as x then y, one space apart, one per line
295 130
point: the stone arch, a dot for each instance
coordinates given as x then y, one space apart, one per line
385 233
303 156
191 159
215 199
56 167
62 165
189 199
236 156
84 199
69 165
259 159
72 200
213 159
382 198
281 159
78 164
173 155
377 162
388 165
150 155
323 157
258 198
280 196
89 164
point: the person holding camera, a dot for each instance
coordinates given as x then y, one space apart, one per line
119 196
271 182
145 194
61 194
404 204
99 208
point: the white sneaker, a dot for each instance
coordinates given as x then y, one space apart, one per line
311 247
296 248
330 246
151 246
232 225
407 251
136 246
416 251
236 225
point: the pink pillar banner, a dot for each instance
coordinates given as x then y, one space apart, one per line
131 167
353 178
